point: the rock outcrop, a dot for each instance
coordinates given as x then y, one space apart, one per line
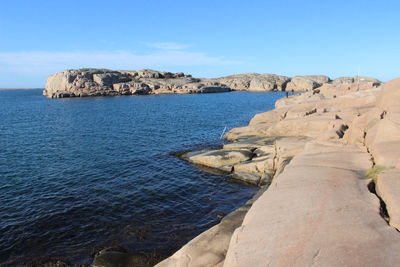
356 79
324 206
318 212
306 83
254 160
102 82
255 82
387 187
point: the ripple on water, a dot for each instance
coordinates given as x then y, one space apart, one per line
77 175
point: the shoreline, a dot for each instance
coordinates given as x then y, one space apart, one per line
21 88
347 130
186 224
335 124
217 237
91 82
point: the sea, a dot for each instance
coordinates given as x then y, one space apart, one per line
81 174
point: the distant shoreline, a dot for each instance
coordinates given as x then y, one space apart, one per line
21 88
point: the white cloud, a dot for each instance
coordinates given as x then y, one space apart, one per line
45 63
168 46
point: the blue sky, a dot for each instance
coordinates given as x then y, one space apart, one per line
205 38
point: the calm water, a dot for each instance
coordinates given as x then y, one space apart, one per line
77 175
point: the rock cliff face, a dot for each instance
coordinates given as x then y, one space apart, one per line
331 158
102 82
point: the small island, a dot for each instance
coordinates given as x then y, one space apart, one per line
103 82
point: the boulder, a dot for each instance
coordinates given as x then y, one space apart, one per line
252 143
132 88
388 188
358 127
251 131
257 166
108 79
274 115
390 96
383 141
220 158
386 153
306 83
265 157
343 80
255 82
356 79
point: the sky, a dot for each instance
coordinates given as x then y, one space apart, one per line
203 38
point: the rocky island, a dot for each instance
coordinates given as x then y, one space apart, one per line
103 82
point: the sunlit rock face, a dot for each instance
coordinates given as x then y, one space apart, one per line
103 82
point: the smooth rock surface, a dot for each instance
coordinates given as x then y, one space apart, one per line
318 212
390 96
320 209
388 188
306 83
356 79
220 158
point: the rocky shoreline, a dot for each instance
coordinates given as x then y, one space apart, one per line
327 163
331 159
103 82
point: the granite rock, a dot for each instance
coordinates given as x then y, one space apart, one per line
103 82
255 82
306 83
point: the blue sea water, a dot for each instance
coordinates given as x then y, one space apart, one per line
80 174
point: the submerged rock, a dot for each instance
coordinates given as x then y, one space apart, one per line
121 259
254 160
220 158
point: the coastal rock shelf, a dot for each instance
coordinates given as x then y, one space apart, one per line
329 163
103 82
